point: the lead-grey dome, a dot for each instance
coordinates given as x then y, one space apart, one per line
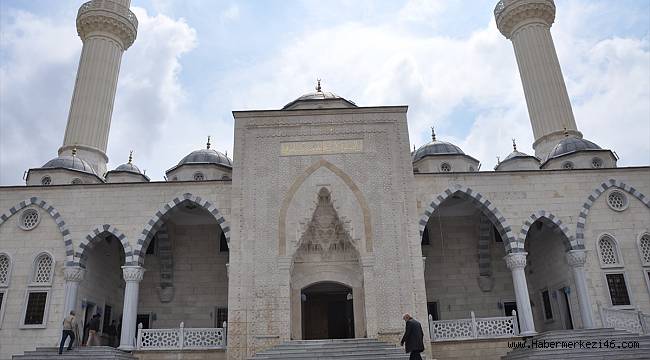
516 154
319 95
571 144
70 162
206 156
128 167
437 148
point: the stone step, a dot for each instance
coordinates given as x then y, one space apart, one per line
78 353
339 349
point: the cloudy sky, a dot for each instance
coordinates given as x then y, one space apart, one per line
195 61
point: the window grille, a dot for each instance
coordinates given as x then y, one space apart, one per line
445 167
607 250
644 248
76 181
4 269
618 289
596 163
199 176
567 165
46 180
43 269
617 200
29 219
35 312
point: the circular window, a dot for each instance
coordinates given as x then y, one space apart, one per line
596 163
29 219
445 167
46 180
617 200
198 176
567 165
471 169
76 181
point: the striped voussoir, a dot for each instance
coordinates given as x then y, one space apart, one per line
604 186
96 235
511 243
54 213
155 223
570 242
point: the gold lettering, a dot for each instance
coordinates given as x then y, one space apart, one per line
321 147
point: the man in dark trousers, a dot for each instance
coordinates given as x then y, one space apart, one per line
69 328
412 338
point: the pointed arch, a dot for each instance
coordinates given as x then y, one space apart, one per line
54 213
159 217
89 241
569 241
601 189
282 239
498 220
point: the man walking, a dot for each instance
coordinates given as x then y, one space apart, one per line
413 336
69 327
93 329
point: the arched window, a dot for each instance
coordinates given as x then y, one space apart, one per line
5 274
608 252
644 249
445 167
38 292
198 176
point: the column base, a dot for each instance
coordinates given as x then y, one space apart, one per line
126 348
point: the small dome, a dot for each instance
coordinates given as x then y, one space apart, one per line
571 144
515 154
436 147
70 162
128 167
318 95
206 156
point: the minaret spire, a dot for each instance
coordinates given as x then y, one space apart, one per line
107 29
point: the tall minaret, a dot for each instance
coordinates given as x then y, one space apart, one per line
107 28
528 24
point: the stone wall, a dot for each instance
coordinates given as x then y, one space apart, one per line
452 270
492 349
200 279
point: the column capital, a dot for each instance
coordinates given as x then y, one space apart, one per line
74 273
509 14
516 260
133 273
576 258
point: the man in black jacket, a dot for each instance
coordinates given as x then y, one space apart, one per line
413 336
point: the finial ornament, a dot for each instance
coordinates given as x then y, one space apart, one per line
514 144
433 134
208 144
74 151
318 85
498 160
130 156
413 147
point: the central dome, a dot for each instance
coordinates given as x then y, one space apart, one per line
71 162
319 99
206 156
571 144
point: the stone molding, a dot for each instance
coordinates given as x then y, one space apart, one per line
499 221
133 273
109 17
604 186
510 14
155 223
516 261
569 240
54 213
74 273
576 258
87 244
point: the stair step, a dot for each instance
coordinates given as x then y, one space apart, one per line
79 353
339 349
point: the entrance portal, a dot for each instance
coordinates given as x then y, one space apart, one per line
327 311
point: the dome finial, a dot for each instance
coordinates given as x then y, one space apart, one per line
433 134
318 89
498 160
514 144
566 132
208 144
74 151
130 156
413 147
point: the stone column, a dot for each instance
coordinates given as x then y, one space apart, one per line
132 275
528 24
516 262
73 276
368 267
107 29
577 260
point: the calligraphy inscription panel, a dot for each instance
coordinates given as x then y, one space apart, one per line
321 147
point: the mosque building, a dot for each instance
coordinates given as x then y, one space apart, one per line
325 224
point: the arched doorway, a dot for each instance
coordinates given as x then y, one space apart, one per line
327 311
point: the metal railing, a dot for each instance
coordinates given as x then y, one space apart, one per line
474 328
182 338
